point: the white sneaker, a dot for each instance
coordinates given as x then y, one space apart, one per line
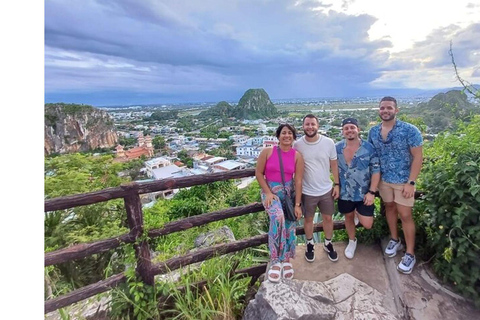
392 247
406 265
350 249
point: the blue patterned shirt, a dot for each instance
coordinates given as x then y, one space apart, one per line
355 179
394 152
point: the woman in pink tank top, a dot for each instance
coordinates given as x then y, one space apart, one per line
281 233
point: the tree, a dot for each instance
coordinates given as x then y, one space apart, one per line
159 143
79 173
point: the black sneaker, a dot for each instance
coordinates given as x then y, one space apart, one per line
332 254
309 253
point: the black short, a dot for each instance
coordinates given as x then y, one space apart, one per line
345 206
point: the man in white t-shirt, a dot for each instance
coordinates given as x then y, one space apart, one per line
320 157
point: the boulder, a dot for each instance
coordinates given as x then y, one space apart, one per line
221 235
343 297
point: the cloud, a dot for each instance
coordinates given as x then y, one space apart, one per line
428 63
187 50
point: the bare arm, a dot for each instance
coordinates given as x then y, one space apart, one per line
299 169
260 175
369 198
374 181
334 169
415 167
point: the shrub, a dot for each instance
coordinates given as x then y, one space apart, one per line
451 179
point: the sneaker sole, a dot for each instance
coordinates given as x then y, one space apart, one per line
310 260
348 257
403 271
395 253
333 260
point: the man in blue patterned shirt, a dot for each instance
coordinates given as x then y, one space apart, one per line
359 173
399 147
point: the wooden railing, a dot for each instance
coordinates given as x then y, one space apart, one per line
145 268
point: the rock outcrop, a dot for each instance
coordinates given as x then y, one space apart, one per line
73 128
343 297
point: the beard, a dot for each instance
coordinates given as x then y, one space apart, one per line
387 117
312 134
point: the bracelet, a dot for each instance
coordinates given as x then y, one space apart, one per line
336 184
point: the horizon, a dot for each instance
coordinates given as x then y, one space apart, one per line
405 95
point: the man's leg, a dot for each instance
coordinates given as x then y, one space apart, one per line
327 226
392 219
326 206
408 226
308 225
310 206
350 225
352 241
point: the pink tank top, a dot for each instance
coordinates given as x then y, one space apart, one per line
272 167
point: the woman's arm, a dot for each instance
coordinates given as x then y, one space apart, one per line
260 175
299 169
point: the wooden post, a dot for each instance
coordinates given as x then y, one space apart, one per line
133 206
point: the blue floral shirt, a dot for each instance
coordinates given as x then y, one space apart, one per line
394 152
355 179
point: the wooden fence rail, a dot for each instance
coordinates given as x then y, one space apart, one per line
142 188
170 265
145 268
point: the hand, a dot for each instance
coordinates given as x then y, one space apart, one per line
298 212
269 198
368 199
336 192
408 190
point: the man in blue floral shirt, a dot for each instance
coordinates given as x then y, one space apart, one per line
359 173
399 147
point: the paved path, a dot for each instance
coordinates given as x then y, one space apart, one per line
415 296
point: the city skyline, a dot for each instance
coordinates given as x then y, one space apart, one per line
146 52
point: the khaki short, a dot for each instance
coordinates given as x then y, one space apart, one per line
391 192
325 204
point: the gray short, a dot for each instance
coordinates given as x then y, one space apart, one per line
325 204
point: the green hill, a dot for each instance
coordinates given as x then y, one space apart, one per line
255 104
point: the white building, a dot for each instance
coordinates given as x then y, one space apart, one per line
228 165
156 163
250 151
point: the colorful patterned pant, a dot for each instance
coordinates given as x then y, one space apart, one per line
281 234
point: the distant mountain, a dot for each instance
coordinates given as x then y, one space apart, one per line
444 109
222 110
255 104
74 128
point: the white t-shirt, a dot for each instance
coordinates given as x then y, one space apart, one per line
317 156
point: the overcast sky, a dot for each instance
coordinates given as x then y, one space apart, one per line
159 51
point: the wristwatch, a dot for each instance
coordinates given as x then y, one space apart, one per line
411 182
298 204
371 192
336 184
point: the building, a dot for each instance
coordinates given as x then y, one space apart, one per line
156 163
250 151
228 165
144 148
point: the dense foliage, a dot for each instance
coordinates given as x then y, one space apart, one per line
450 228
73 174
